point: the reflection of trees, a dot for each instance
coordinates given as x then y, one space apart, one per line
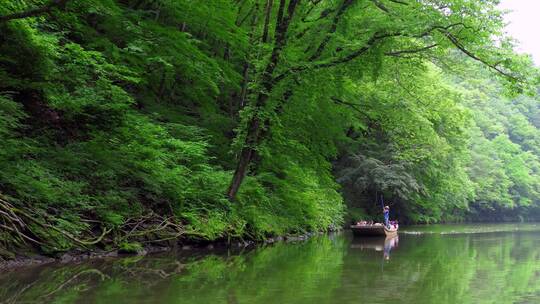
44 284
502 268
489 268
255 276
57 282
283 273
74 278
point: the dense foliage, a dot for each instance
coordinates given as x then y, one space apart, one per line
142 120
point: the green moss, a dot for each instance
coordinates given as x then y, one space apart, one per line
131 248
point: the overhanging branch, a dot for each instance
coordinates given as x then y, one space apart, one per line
495 66
333 27
370 43
349 104
411 51
375 38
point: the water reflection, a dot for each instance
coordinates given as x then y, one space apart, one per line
384 244
425 268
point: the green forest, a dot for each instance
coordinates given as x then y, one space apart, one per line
132 122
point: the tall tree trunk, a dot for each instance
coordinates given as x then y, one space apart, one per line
245 82
268 13
256 158
254 130
245 70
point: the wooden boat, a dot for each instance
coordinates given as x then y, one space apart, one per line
374 230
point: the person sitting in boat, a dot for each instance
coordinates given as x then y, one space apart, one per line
386 212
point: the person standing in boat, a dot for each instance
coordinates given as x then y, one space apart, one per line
386 213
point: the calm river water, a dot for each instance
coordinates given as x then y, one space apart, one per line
433 264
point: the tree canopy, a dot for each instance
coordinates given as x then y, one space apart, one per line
137 121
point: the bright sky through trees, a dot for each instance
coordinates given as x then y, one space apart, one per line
524 24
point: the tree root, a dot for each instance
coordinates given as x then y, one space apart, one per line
14 223
16 219
23 226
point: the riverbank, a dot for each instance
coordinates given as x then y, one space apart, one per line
21 260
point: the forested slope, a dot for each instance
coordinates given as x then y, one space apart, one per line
504 149
475 157
133 121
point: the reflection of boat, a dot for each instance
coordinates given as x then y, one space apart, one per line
378 244
374 230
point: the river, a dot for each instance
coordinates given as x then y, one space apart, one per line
431 264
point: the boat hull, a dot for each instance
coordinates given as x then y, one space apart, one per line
373 230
